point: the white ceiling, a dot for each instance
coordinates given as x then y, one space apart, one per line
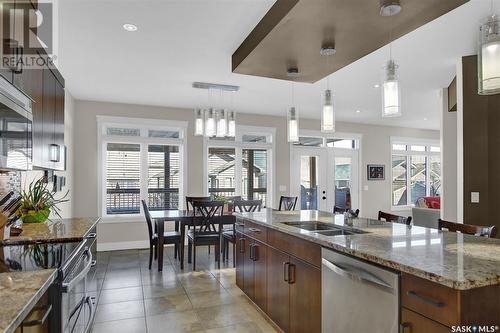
182 41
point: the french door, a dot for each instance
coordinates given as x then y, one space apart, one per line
325 177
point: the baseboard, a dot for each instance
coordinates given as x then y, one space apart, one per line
115 246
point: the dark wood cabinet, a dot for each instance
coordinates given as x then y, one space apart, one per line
48 117
248 270
60 164
412 322
37 116
240 259
278 289
305 297
251 269
259 254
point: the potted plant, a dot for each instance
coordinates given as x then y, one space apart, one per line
38 202
228 203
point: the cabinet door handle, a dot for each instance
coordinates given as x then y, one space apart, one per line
425 299
251 251
239 224
242 245
255 252
403 327
18 69
291 273
286 272
257 231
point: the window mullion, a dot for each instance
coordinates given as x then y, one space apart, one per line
408 180
144 173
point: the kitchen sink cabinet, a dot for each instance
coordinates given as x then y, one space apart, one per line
285 287
413 322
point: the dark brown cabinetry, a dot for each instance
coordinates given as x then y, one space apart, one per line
287 288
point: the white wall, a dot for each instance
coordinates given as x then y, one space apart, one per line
375 150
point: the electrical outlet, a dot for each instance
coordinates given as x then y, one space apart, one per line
474 197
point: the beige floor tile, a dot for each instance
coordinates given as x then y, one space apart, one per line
118 311
174 322
224 315
135 325
249 327
120 295
173 303
165 289
210 298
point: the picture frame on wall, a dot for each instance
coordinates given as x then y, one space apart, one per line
376 171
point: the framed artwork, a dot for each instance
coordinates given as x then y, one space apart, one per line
376 172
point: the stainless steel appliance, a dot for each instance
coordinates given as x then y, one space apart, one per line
16 122
72 295
357 296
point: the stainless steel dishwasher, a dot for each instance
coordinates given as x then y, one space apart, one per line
357 297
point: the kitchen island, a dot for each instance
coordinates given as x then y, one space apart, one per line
447 279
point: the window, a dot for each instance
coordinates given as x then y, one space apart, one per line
241 167
309 141
341 143
416 172
140 163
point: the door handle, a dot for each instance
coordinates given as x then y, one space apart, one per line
251 252
291 273
242 245
257 231
286 272
255 252
425 299
324 198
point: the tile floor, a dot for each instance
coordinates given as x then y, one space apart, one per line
137 300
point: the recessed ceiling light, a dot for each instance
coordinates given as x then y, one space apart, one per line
358 111
376 85
425 118
130 27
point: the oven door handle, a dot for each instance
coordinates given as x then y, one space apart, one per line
66 286
90 302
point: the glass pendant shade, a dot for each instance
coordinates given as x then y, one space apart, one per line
489 57
210 129
328 115
198 122
231 124
391 92
293 125
221 123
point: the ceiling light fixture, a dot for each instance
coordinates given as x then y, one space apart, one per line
328 113
389 7
391 92
292 116
488 61
358 111
376 85
130 27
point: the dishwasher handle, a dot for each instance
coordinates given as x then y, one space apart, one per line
357 274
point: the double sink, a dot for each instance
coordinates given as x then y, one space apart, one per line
326 229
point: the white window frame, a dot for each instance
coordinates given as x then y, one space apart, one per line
408 153
144 124
238 145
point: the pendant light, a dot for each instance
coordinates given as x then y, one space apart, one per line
328 113
198 122
221 123
391 90
210 130
292 113
488 61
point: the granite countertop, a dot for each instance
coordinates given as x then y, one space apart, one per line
452 259
60 230
20 291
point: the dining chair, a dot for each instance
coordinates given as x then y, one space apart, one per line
206 228
229 236
287 203
189 201
169 237
339 210
470 229
382 216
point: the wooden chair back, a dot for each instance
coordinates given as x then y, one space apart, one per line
206 215
248 206
339 210
470 229
287 203
189 201
393 218
148 219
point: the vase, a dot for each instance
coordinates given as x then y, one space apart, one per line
36 216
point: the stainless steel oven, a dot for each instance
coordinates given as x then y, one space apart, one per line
77 304
16 122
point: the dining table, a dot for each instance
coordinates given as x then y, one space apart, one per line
182 218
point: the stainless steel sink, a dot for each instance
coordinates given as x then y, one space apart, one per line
326 229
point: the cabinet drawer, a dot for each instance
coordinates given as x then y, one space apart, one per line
297 247
430 299
412 322
255 231
240 225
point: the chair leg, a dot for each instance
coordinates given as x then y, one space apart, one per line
194 257
175 251
209 249
234 254
190 251
223 250
155 246
217 254
150 255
